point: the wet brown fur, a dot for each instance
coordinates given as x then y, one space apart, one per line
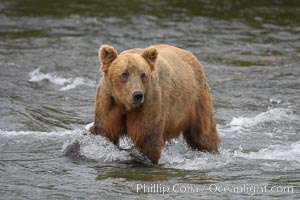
176 99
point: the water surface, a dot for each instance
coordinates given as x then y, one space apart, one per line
49 71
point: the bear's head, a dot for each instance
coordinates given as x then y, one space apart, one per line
128 74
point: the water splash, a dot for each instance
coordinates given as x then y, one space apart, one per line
271 115
67 83
34 133
274 152
99 148
178 155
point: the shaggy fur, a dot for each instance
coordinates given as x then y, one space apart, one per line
176 98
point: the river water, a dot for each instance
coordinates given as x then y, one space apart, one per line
49 70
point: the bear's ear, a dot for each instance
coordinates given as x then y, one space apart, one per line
150 55
107 54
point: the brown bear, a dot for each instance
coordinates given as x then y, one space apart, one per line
152 95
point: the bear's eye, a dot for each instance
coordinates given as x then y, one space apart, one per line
143 77
124 76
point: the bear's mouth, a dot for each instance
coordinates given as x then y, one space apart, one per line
137 104
136 107
131 107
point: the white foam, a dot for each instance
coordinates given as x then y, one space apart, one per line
99 148
271 115
88 126
178 155
37 76
67 83
181 157
76 82
174 155
34 133
274 152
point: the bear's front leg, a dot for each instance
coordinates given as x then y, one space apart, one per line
146 134
151 146
109 125
149 143
108 128
108 119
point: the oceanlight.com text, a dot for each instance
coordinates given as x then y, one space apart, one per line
212 188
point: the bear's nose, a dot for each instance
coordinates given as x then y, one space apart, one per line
137 97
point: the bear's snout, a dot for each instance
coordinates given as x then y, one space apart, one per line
138 97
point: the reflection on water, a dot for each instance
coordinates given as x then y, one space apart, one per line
49 71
